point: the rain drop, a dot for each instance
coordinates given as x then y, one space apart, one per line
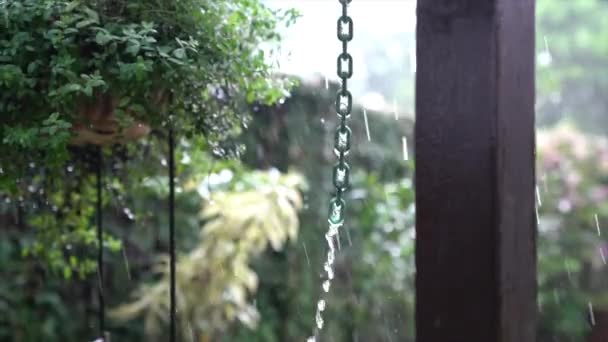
326 285
186 159
319 320
128 213
321 305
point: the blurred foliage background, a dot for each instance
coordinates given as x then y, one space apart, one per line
572 117
251 229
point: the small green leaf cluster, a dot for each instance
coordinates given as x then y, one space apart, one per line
65 238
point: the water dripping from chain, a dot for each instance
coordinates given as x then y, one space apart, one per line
328 266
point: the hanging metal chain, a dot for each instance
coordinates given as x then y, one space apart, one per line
344 106
341 171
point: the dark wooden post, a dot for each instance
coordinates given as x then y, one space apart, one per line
476 224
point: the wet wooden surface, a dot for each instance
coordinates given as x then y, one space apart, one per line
475 221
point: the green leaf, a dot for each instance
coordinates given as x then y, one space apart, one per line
70 30
92 15
32 67
179 53
176 61
124 102
102 38
67 272
84 23
133 47
70 88
163 51
137 108
72 6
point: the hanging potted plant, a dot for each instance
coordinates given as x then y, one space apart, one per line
108 71
97 124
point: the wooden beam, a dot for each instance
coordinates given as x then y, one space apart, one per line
475 178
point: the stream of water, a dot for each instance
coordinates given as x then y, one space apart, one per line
328 266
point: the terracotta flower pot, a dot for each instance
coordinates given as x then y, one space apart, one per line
97 124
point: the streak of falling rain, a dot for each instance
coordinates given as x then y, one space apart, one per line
537 215
350 242
306 253
326 82
395 109
412 54
387 325
405 154
544 179
99 281
568 270
545 58
540 203
124 256
603 255
191 332
369 138
591 315
597 225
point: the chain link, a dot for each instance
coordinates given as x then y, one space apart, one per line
344 107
